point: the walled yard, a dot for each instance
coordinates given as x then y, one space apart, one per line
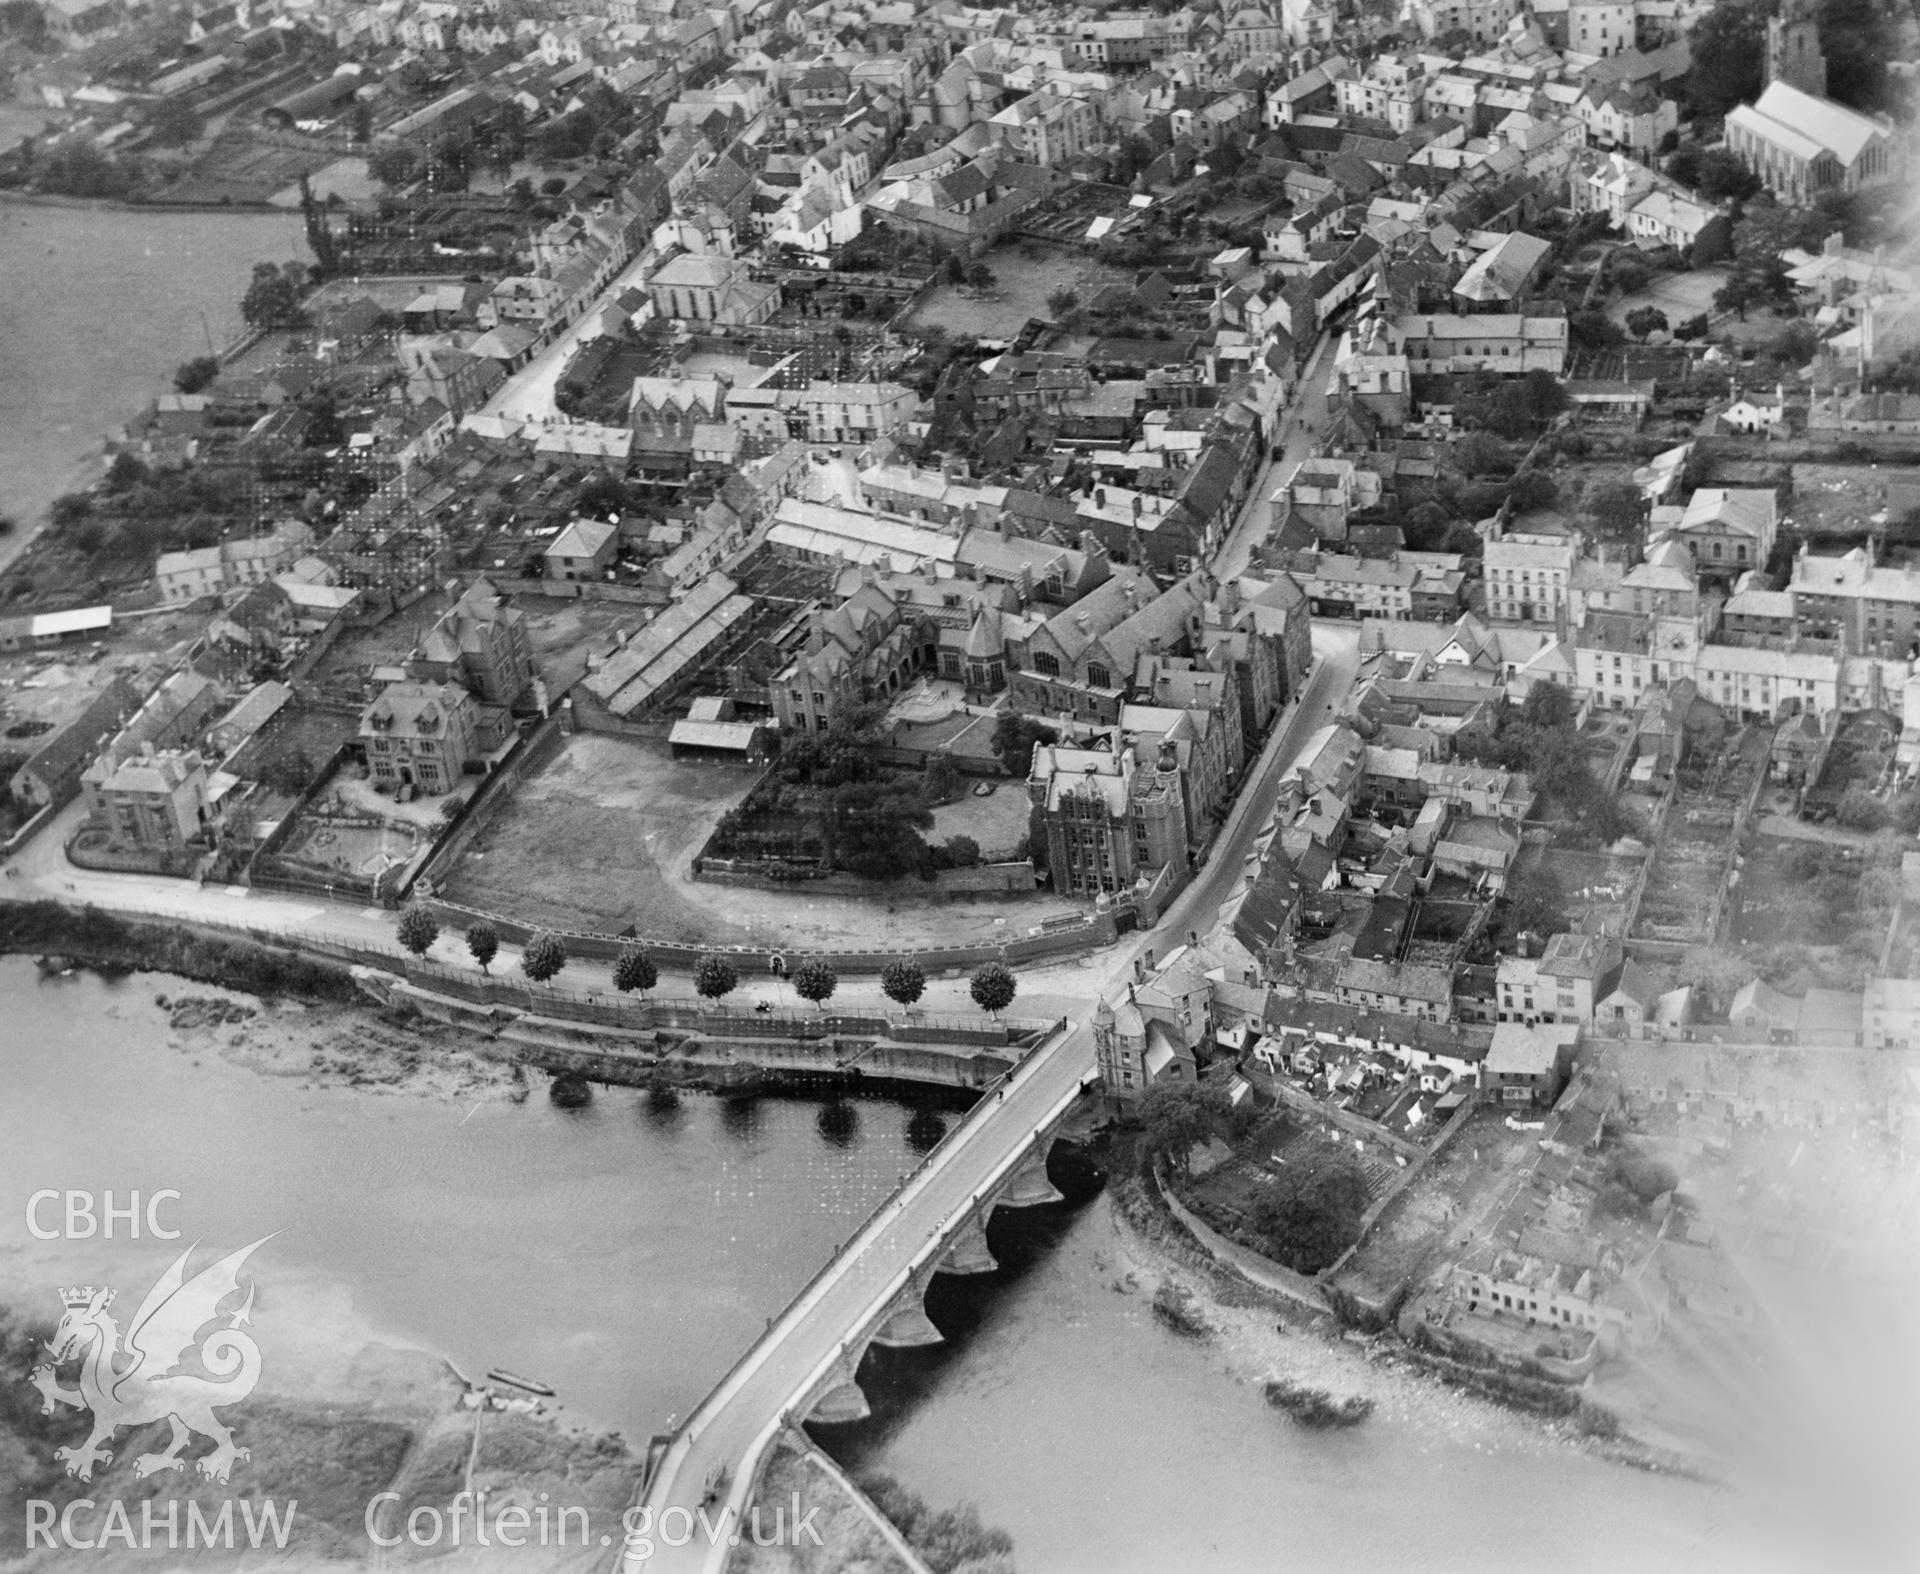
1025 274
603 836
284 756
1228 1194
1698 839
352 835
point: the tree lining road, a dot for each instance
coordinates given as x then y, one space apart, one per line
733 1428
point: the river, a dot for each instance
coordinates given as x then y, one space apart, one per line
97 307
625 1253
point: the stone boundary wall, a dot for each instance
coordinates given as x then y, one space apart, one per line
1251 1265
533 750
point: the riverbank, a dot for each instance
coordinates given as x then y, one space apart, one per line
110 943
1268 1336
347 1436
53 199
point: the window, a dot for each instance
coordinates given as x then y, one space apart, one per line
1046 664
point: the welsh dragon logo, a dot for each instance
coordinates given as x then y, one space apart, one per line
161 1370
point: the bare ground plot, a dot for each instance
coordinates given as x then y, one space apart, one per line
591 839
56 684
1025 274
560 632
1694 857
604 836
345 178
1452 1203
1843 500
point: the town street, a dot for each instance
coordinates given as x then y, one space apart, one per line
1297 427
528 394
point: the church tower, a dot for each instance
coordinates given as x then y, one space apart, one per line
1793 49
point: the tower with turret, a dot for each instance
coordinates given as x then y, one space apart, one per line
1793 49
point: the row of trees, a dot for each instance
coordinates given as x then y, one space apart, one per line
715 976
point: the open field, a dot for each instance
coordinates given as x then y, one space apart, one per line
1025 274
604 836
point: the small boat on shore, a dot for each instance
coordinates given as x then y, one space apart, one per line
499 1374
